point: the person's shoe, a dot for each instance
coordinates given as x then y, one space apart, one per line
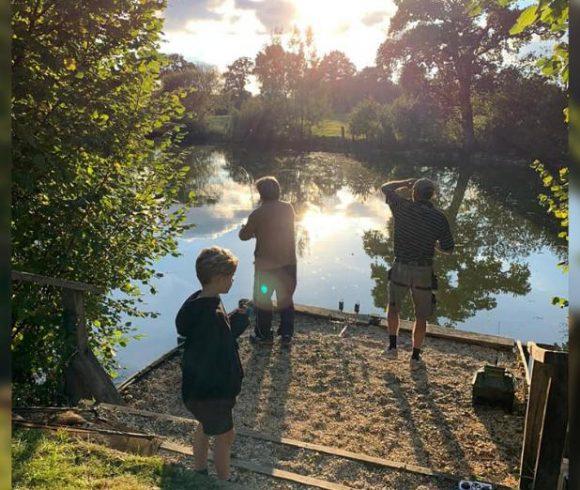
257 340
286 341
417 364
392 353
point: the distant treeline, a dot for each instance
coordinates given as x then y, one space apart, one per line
454 81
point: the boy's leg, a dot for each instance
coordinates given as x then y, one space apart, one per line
221 454
200 447
284 295
424 303
263 291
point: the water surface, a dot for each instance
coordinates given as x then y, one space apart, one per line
501 279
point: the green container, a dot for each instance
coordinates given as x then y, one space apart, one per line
493 385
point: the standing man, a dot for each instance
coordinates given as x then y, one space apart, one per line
272 225
419 229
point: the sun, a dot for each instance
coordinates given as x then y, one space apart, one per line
356 28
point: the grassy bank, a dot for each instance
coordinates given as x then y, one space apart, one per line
55 461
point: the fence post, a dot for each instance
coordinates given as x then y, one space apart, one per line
84 377
546 420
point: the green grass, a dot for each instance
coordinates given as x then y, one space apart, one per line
219 124
55 461
331 128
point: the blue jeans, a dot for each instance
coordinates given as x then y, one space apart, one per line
266 282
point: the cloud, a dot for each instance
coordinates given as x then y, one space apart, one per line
179 12
373 18
273 14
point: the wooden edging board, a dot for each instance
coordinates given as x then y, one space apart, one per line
139 374
262 469
493 341
53 281
363 458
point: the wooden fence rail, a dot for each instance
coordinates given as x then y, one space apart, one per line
546 419
84 377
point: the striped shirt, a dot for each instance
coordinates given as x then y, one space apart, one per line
418 227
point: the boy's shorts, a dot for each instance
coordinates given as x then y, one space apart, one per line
417 278
214 415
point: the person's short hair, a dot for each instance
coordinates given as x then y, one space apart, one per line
215 261
424 189
268 188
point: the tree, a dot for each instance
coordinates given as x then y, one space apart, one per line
453 43
550 19
271 70
96 171
236 78
365 120
336 72
336 67
523 113
415 120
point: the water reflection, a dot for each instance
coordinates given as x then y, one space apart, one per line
343 226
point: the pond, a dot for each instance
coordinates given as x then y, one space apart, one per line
500 280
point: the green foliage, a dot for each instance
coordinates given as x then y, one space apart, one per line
416 120
550 19
236 78
96 171
291 101
365 120
456 45
56 461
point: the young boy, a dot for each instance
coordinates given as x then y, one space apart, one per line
212 371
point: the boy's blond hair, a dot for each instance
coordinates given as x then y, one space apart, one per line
214 261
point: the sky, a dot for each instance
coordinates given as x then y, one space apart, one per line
217 32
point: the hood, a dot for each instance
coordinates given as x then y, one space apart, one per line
191 313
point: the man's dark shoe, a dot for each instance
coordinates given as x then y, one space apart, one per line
257 340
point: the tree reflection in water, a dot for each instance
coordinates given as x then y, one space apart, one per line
494 213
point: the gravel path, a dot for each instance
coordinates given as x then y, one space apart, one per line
344 393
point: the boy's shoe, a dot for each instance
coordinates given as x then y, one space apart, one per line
392 353
286 341
257 340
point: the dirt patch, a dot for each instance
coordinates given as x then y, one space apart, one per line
344 393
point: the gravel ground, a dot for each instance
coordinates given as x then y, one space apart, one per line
344 393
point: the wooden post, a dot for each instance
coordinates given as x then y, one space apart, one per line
533 424
553 434
546 419
84 376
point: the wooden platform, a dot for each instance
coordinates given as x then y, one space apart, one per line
493 341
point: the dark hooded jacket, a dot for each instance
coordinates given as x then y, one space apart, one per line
211 365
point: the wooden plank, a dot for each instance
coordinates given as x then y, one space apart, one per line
553 433
494 341
263 469
524 358
363 458
548 355
141 373
53 281
534 418
138 443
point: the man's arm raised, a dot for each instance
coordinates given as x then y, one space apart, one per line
397 184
